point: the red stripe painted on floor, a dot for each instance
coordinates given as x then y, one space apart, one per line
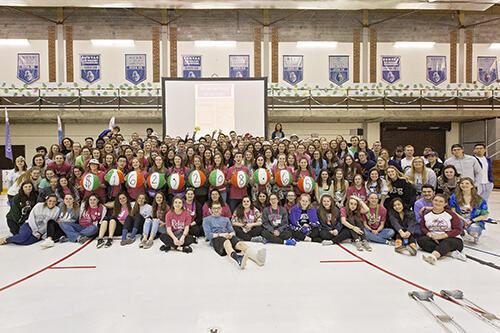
72 267
46 268
403 279
339 261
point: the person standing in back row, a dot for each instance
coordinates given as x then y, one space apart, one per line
466 165
485 184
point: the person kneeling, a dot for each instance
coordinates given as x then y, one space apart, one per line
220 233
442 229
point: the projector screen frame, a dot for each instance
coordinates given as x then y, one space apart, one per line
213 79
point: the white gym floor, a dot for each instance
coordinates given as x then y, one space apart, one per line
77 288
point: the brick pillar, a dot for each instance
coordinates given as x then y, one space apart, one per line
356 52
373 55
52 53
156 54
468 56
453 56
69 54
173 51
257 52
274 56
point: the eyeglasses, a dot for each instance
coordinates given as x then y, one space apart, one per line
216 208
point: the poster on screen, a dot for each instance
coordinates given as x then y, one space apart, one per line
28 67
191 66
293 68
239 66
391 69
90 67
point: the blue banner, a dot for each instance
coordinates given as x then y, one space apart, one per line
191 66
28 67
436 69
339 69
135 68
239 66
8 144
391 68
487 70
293 68
90 67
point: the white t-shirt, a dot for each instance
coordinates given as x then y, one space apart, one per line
406 164
484 170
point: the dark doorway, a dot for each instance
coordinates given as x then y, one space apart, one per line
417 134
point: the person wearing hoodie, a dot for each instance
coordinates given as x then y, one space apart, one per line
275 223
304 220
35 228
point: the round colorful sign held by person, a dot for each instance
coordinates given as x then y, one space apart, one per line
196 178
240 179
114 177
90 182
156 180
175 181
261 176
216 178
306 184
134 179
283 178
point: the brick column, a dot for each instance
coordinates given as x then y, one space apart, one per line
373 55
468 56
173 51
69 54
156 54
274 56
453 56
356 55
257 52
52 53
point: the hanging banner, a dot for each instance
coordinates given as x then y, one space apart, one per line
239 66
436 69
293 68
487 70
90 67
391 68
191 66
339 69
135 68
28 67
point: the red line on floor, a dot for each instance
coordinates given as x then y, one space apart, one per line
337 261
46 268
403 279
72 267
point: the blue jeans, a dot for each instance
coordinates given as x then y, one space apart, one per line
474 227
75 230
150 227
381 237
24 237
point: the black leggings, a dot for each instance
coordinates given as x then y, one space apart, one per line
314 235
444 247
196 230
54 230
168 241
132 222
247 236
341 236
14 226
286 234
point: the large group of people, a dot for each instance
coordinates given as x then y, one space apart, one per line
358 193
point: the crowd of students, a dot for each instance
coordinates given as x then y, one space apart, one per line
362 194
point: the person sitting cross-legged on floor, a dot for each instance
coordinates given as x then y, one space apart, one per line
247 221
220 233
275 223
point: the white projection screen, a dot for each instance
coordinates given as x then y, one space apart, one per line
213 104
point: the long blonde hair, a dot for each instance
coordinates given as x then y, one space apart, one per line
413 172
399 175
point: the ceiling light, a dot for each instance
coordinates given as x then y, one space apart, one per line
112 42
14 42
420 45
495 46
215 43
317 44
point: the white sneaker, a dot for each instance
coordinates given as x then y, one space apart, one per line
430 258
458 255
47 243
327 242
468 238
